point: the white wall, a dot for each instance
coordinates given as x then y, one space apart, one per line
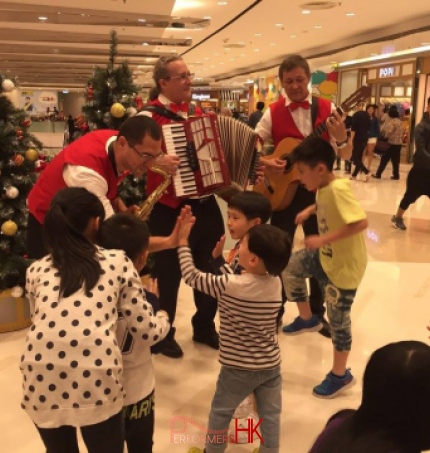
71 103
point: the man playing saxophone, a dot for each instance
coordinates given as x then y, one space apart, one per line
97 162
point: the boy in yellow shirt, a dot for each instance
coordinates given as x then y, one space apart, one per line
336 258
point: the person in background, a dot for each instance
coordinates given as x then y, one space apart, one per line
225 111
374 133
71 127
97 162
131 234
360 134
394 415
336 257
173 80
392 129
255 117
291 117
418 180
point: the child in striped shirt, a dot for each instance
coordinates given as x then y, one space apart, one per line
249 352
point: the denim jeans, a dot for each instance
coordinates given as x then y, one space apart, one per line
232 387
306 263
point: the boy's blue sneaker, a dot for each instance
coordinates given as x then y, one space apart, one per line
300 325
332 385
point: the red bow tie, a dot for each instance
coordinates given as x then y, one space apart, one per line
295 105
181 108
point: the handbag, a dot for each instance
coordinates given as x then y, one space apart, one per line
381 145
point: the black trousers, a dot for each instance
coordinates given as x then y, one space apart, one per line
208 229
357 157
104 437
285 220
35 245
393 154
417 184
139 425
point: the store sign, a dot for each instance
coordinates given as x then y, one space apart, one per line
200 97
387 72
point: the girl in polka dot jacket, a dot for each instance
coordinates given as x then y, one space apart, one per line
72 365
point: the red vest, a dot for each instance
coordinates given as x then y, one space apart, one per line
153 180
88 151
283 124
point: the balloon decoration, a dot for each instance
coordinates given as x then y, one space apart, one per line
325 84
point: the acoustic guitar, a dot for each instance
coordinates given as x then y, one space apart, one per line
280 189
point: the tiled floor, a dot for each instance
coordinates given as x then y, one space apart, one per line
392 304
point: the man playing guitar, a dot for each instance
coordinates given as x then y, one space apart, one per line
291 116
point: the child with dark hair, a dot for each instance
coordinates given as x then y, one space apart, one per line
336 258
72 364
131 234
249 352
393 416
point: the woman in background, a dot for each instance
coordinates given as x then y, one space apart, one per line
374 132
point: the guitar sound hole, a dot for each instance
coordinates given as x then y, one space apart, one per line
288 165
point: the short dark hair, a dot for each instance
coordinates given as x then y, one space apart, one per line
271 245
124 232
260 105
136 128
428 101
252 205
314 151
160 69
292 62
393 112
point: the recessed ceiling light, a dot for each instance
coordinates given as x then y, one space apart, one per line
256 50
206 58
243 55
216 54
222 62
222 3
279 25
273 44
350 14
373 54
293 36
425 43
207 17
145 44
306 11
141 20
318 26
43 18
258 34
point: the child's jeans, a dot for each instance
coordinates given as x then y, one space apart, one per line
232 387
306 263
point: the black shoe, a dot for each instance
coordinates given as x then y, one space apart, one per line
210 339
395 179
376 176
172 349
326 329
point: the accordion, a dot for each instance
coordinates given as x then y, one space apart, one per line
217 155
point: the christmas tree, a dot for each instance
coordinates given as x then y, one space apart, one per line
18 154
111 95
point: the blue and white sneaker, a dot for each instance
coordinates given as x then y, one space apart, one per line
300 325
332 385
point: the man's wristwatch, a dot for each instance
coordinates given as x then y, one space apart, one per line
342 144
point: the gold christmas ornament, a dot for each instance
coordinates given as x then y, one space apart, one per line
31 154
12 192
9 228
16 291
117 110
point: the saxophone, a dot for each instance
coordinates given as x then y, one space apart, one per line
146 207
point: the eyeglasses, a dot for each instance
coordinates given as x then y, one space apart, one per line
145 156
182 77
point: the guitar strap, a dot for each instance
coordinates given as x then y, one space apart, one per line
314 111
162 111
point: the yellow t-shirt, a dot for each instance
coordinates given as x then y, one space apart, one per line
344 261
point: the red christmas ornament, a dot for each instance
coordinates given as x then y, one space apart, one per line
17 159
139 102
19 133
26 122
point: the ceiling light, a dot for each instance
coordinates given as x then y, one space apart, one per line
256 50
306 11
141 20
425 43
293 36
258 34
279 25
273 44
43 18
145 44
222 3
350 14
318 26
207 17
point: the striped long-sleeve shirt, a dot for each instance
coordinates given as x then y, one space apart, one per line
248 308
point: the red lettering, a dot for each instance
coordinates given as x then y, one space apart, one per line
251 429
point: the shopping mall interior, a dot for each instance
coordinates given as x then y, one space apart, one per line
233 48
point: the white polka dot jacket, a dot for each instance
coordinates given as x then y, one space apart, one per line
72 365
